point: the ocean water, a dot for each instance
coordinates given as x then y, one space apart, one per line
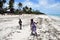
57 15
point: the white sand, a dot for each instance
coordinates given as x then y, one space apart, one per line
47 27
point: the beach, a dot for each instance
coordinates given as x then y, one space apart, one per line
48 27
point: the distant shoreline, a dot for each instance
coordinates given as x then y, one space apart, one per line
57 17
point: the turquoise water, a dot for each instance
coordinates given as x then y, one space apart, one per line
58 15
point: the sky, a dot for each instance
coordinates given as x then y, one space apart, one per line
45 6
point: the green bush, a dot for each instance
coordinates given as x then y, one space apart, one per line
16 12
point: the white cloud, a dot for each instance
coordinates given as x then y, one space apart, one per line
55 6
5 5
16 5
42 4
50 5
30 4
46 6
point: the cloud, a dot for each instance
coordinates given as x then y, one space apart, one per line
16 5
30 4
55 6
5 5
46 6
36 6
50 7
43 2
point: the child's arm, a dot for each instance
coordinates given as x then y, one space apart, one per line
35 22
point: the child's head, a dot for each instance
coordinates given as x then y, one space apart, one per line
31 20
19 19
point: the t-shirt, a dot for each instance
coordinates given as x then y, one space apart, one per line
33 27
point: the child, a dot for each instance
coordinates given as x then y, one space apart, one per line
20 23
33 28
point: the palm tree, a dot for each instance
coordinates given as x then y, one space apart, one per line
20 5
1 5
11 2
2 2
26 9
30 10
